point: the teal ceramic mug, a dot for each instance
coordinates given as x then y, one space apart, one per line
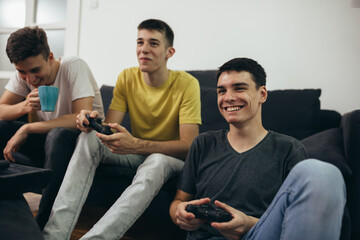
48 97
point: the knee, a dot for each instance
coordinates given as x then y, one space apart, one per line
323 179
60 136
162 165
60 140
156 160
63 133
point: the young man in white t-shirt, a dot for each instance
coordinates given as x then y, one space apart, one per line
49 140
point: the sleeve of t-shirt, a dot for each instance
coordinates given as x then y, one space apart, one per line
80 79
296 154
119 102
18 86
190 109
187 180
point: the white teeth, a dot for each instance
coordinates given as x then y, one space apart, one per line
231 109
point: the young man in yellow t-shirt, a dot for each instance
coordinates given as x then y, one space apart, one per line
164 108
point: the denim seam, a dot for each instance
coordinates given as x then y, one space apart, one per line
285 216
79 200
267 212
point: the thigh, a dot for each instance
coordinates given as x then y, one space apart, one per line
128 160
59 147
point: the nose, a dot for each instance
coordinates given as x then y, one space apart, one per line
229 96
30 78
145 48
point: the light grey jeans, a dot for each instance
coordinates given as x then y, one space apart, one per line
152 172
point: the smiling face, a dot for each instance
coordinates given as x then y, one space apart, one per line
152 51
239 100
35 70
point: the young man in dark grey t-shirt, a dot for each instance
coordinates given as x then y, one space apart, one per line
256 175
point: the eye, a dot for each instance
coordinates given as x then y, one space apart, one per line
154 44
221 91
36 70
239 89
140 42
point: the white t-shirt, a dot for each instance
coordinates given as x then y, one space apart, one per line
74 80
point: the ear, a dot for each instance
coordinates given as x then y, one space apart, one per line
170 52
263 94
51 58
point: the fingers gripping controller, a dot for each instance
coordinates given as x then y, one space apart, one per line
96 124
209 212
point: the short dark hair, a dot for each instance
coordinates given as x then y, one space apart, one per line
161 26
27 42
245 64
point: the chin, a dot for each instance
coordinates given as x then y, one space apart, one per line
144 69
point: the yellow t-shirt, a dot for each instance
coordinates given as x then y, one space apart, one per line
156 112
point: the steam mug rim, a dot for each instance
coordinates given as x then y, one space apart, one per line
48 97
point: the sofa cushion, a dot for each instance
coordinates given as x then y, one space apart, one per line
206 78
210 115
292 112
328 146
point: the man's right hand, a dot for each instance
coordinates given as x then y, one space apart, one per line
32 102
81 120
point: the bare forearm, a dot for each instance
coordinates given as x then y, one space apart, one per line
177 148
67 121
12 112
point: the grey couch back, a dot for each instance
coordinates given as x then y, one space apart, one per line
293 112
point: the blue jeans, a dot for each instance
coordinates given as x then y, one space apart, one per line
309 205
152 172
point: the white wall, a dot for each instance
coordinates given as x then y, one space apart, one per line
300 43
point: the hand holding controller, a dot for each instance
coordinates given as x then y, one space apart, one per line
209 212
96 124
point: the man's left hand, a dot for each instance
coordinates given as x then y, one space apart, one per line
238 226
15 143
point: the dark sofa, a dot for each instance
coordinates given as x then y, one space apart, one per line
326 135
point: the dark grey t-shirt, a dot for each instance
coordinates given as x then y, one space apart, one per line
247 181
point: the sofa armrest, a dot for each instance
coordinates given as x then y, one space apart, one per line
350 124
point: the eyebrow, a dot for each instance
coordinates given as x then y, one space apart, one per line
33 69
151 39
235 85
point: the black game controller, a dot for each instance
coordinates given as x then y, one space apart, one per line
96 124
209 212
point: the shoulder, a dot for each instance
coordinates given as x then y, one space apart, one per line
73 65
134 71
284 140
211 136
184 78
129 73
70 61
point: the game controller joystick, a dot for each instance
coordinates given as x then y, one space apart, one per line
96 124
209 212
